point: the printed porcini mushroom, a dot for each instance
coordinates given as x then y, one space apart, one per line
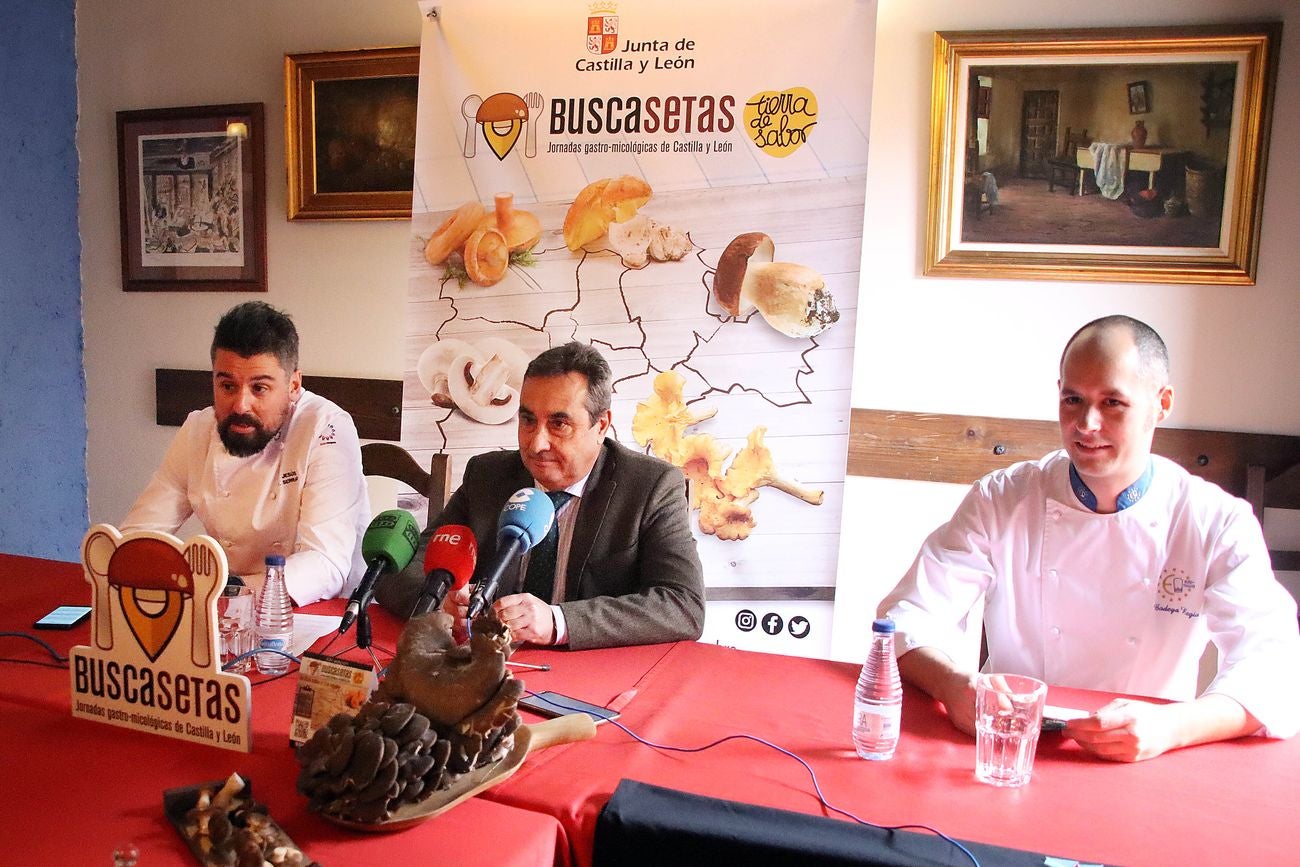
480 390
663 417
450 236
792 298
735 268
521 229
433 365
608 200
752 468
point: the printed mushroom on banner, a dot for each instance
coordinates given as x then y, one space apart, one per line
481 379
792 298
475 245
609 207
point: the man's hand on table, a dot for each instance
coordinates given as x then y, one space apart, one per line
1128 730
528 617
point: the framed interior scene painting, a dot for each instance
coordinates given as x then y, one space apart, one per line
350 133
191 190
1133 155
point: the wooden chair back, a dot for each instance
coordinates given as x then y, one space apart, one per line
394 462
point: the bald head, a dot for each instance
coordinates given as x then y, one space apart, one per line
1117 332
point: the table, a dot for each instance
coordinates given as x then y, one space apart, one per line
1145 159
75 788
1230 802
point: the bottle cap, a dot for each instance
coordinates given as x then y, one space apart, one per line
884 624
275 559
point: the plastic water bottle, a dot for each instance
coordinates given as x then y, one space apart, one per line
274 619
878 702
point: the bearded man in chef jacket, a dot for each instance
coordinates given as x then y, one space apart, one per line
1102 566
269 468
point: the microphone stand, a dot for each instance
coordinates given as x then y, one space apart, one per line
364 638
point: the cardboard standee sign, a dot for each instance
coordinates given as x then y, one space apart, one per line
153 664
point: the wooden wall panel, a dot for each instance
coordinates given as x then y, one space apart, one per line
374 404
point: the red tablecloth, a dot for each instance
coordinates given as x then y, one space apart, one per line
75 788
1222 803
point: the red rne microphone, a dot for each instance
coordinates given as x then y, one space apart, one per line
448 565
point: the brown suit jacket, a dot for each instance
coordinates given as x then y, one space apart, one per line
633 574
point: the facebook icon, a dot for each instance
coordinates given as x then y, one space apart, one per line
772 624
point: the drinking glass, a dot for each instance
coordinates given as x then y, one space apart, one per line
1008 717
235 625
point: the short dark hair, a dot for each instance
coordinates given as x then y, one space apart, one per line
575 357
257 328
1152 351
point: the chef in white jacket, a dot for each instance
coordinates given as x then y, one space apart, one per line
1102 566
269 468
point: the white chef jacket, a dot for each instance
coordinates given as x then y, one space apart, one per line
302 496
1121 602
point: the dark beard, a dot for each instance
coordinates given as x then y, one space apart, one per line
244 445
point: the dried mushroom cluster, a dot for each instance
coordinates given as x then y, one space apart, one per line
442 711
232 830
723 498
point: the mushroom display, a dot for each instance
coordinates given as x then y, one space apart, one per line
752 468
482 379
663 417
608 200
483 243
641 239
792 298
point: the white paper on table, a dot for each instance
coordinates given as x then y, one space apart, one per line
1066 713
309 627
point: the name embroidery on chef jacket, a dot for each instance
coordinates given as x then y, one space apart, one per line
1172 590
289 477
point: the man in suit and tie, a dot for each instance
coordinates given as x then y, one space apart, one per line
621 567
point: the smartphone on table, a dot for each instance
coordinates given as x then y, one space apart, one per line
64 617
553 704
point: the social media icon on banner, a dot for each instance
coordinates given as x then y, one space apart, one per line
745 620
772 624
799 627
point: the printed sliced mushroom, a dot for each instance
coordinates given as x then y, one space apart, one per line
509 352
735 269
481 391
792 298
631 240
433 365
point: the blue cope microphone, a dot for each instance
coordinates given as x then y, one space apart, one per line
525 520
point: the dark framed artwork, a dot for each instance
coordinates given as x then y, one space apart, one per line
1068 186
1139 100
350 133
192 196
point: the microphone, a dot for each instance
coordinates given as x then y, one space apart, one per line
525 520
448 565
388 544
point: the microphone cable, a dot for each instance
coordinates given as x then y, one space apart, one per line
780 749
59 660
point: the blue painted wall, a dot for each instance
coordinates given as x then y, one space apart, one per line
43 509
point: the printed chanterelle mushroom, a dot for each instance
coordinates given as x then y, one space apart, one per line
663 417
792 298
481 390
752 468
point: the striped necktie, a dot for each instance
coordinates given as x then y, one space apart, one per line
540 580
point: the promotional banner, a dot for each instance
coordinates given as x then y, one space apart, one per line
680 186
153 664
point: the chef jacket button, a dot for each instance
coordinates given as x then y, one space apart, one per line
225 493
226 543
1051 573
1056 632
1132 640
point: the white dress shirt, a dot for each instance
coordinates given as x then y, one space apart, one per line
1121 602
302 496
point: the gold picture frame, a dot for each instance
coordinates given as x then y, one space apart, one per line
350 133
1009 192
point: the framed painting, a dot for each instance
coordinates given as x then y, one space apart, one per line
1038 169
350 133
192 195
